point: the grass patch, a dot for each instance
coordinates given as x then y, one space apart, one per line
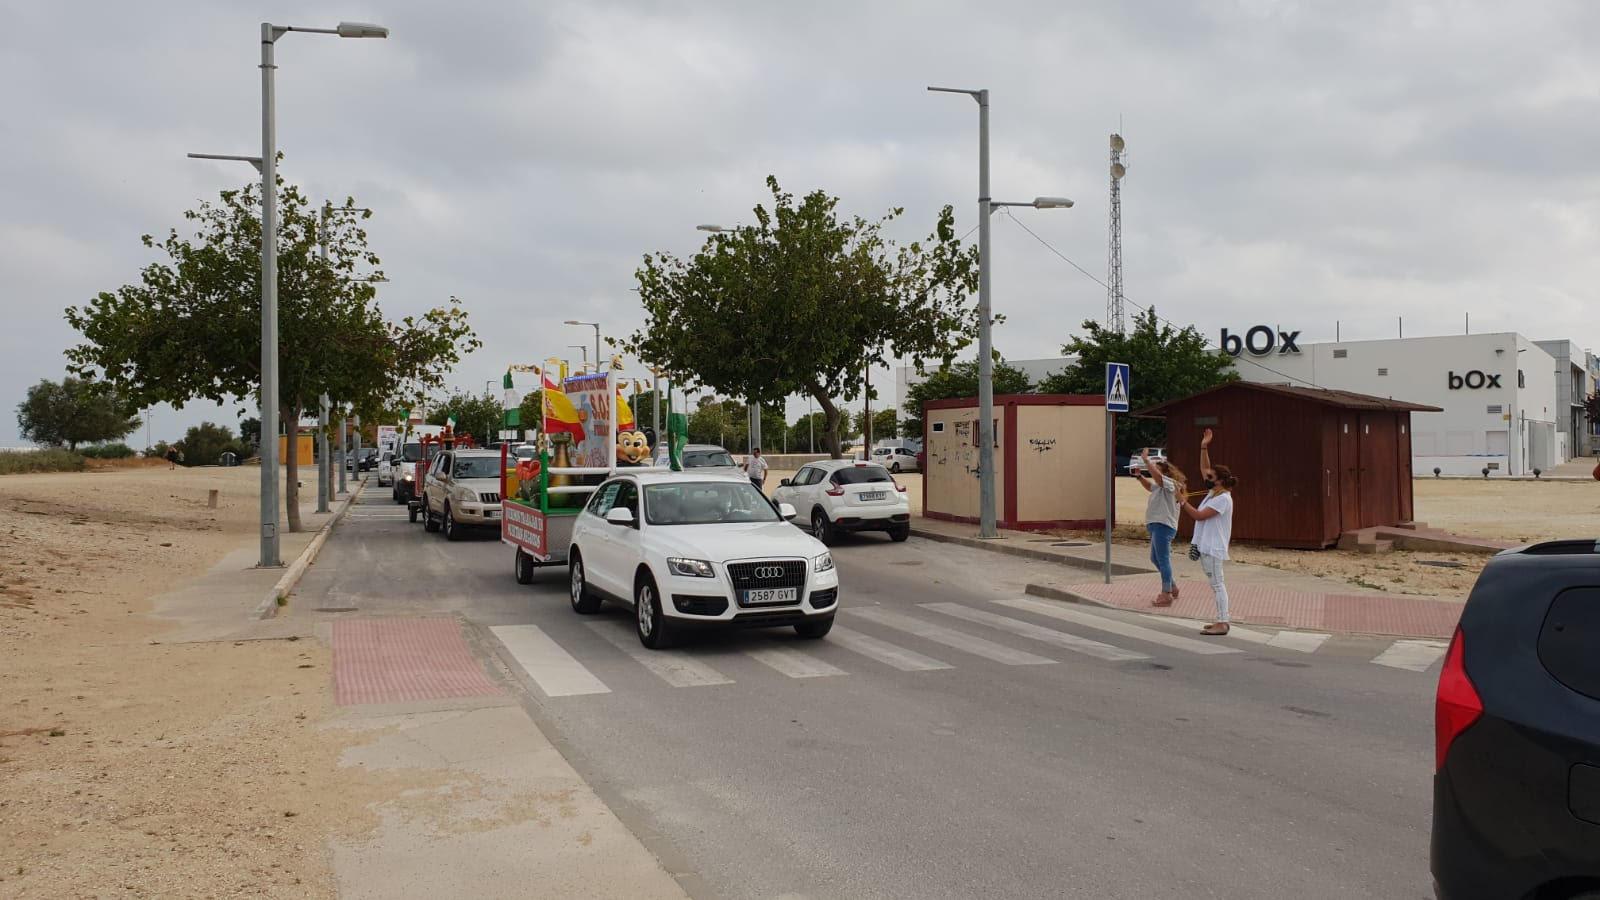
21 462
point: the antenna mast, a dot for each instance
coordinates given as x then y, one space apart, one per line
1114 311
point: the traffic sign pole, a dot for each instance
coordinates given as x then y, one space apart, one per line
1118 389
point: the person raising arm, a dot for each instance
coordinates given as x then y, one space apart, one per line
1213 529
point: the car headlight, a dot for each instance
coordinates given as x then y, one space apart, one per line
405 478
823 563
694 568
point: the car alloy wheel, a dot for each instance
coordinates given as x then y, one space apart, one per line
451 532
895 468
820 529
647 610
584 601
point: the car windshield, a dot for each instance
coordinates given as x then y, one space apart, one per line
703 459
861 475
477 467
412 453
526 451
706 503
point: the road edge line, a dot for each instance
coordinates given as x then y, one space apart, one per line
269 605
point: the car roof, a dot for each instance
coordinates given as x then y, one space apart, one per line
828 465
662 476
475 451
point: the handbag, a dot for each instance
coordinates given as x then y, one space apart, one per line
1194 552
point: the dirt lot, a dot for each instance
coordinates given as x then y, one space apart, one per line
132 768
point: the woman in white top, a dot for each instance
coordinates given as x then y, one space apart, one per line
1165 484
1213 529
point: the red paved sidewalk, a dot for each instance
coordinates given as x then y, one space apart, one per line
402 660
1274 605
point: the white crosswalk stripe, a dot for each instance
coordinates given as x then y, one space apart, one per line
950 638
1303 641
1414 656
793 663
553 669
675 669
1117 626
1037 632
883 651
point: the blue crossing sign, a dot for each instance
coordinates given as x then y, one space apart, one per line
1117 387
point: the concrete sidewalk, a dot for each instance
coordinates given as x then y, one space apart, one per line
1258 595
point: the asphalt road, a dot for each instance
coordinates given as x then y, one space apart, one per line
948 741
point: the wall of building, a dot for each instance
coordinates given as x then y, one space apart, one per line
1572 385
1061 458
1488 420
951 480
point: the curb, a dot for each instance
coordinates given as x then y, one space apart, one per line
1055 593
268 607
1093 565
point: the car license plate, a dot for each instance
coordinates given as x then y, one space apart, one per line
873 495
761 596
491 513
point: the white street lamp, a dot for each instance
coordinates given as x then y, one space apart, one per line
596 327
986 516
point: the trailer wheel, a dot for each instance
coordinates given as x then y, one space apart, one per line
524 567
412 512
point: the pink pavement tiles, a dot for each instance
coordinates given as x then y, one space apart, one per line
402 660
1253 604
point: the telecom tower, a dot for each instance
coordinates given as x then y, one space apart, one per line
1114 315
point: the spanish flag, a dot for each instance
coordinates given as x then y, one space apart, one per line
624 414
560 416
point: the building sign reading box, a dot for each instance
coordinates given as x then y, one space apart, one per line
1473 380
1261 341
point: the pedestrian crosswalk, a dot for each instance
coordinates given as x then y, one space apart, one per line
562 661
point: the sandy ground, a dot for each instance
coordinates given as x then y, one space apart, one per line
131 768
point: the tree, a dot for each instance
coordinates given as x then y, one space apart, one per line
73 411
250 431
472 412
204 444
807 432
531 410
721 422
883 423
801 301
954 381
190 328
1166 363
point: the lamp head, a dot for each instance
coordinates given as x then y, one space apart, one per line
1051 203
361 30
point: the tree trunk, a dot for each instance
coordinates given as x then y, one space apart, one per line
830 430
291 458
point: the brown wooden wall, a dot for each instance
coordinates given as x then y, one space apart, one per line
1308 471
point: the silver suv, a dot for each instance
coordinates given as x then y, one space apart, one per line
461 490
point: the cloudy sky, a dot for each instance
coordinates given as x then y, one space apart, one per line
1291 163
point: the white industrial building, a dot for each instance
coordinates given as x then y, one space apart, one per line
1498 393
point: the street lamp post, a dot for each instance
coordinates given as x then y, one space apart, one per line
581 348
596 327
986 515
322 453
753 411
344 437
267 164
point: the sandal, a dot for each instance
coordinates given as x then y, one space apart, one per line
1215 629
1164 599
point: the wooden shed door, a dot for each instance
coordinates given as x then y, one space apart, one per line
1379 494
1349 471
1403 472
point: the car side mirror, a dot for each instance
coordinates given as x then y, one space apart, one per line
783 483
787 511
619 515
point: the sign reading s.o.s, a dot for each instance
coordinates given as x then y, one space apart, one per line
1261 341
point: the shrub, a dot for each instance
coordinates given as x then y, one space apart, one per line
22 461
108 451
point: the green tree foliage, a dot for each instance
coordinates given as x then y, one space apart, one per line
190 327
956 381
1167 363
802 431
801 301
531 410
114 450
473 413
74 411
884 424
250 431
50 460
720 422
204 444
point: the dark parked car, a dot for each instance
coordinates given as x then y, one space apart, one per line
1516 793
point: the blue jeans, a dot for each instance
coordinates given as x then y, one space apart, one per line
1161 536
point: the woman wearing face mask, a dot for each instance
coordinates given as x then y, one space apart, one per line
1165 484
1213 529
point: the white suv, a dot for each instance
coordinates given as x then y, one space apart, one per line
896 459
847 495
698 549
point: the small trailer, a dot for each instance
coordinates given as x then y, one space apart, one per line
588 436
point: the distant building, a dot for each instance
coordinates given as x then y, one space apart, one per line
1575 381
1498 394
1036 369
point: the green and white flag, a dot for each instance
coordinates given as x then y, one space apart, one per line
513 403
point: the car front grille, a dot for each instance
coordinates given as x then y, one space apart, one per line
774 573
489 498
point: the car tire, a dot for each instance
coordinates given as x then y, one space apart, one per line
814 630
584 600
899 533
821 528
452 531
894 468
523 567
649 621
429 523
413 514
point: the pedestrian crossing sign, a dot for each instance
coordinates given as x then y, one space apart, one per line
1117 385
